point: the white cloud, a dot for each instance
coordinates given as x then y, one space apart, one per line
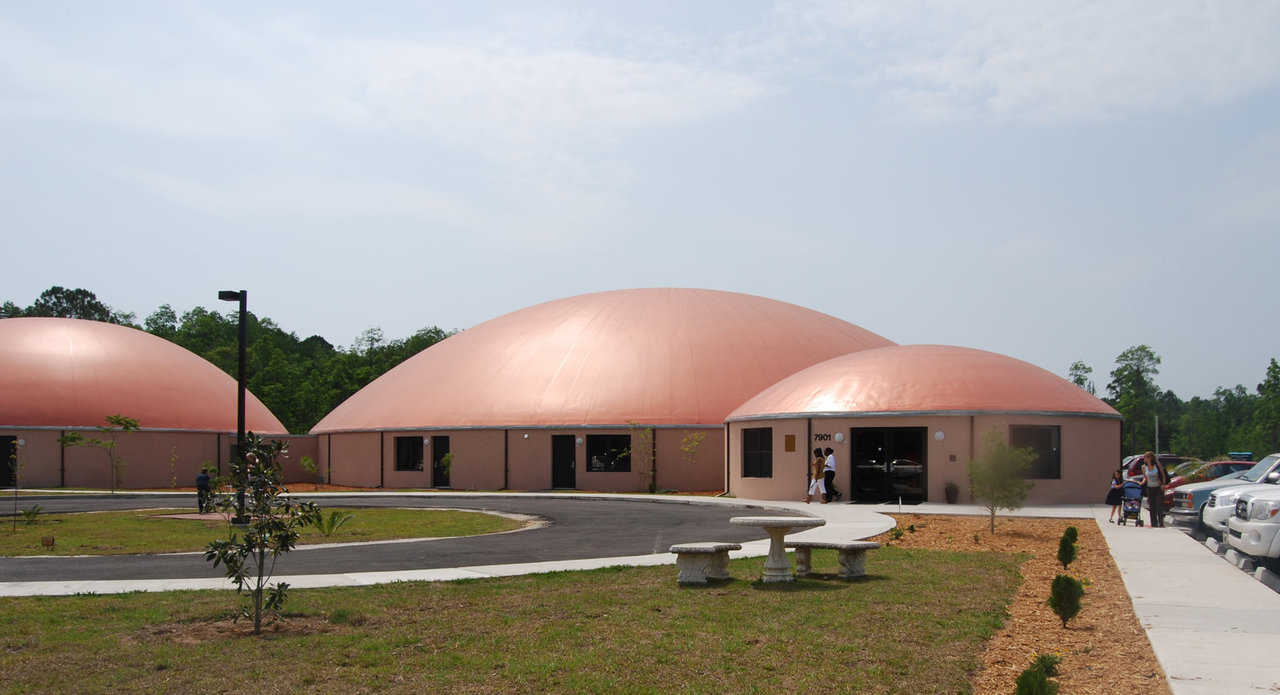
1011 60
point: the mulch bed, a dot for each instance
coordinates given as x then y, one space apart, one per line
1104 649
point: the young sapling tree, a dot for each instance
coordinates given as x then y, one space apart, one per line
996 479
249 553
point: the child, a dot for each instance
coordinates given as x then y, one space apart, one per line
1115 495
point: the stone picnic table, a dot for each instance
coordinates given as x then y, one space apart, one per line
776 567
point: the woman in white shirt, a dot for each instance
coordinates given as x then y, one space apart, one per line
1153 486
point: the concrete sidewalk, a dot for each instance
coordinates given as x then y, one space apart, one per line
1214 628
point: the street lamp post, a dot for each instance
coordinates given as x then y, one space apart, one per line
242 297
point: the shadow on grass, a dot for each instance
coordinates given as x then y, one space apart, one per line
816 582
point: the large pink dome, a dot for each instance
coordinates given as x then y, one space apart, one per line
906 379
73 373
651 356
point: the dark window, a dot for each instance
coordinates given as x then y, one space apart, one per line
1045 441
609 453
439 469
757 452
408 453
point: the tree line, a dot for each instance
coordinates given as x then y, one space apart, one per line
1232 419
300 380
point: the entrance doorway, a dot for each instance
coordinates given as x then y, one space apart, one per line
440 469
8 473
563 461
888 463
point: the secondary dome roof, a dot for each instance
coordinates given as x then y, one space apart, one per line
921 379
652 356
73 373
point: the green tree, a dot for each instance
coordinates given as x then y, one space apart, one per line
1134 392
249 554
1266 416
116 424
1079 374
1064 597
997 478
1067 547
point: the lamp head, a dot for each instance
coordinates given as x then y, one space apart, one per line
229 295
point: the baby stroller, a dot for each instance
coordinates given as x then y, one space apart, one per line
1131 507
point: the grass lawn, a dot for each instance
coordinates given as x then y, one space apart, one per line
915 624
144 531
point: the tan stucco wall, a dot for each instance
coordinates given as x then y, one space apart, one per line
477 460
1090 451
352 459
676 472
146 458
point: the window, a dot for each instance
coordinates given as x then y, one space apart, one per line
408 453
608 453
1045 441
757 452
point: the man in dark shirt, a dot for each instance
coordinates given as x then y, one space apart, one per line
202 491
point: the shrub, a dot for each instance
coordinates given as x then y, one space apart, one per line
1064 597
328 524
1073 533
1035 680
29 515
1067 548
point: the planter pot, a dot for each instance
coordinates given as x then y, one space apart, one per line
952 492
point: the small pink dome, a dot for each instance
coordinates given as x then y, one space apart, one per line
73 373
651 356
921 379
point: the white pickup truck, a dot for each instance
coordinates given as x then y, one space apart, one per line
1221 506
1254 529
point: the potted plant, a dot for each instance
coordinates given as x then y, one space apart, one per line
952 491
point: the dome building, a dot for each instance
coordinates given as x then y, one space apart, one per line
63 375
905 420
618 391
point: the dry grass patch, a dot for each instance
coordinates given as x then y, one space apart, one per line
1104 649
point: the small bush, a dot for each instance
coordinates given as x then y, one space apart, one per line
1047 663
1033 681
1066 549
1064 597
29 516
912 528
1072 532
895 533
327 525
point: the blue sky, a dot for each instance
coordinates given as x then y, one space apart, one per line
1053 181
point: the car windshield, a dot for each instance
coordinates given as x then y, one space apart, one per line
1260 468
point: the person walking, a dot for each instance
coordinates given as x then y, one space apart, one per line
202 491
829 476
1153 480
816 484
1115 496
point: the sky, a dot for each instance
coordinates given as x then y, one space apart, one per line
1052 181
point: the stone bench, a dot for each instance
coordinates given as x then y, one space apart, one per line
852 556
699 562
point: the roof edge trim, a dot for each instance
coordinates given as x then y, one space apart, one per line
465 428
919 413
179 430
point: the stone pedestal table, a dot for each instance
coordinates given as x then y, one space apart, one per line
776 567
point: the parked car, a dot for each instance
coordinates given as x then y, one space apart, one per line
1254 529
1201 472
1222 504
1133 464
1189 500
